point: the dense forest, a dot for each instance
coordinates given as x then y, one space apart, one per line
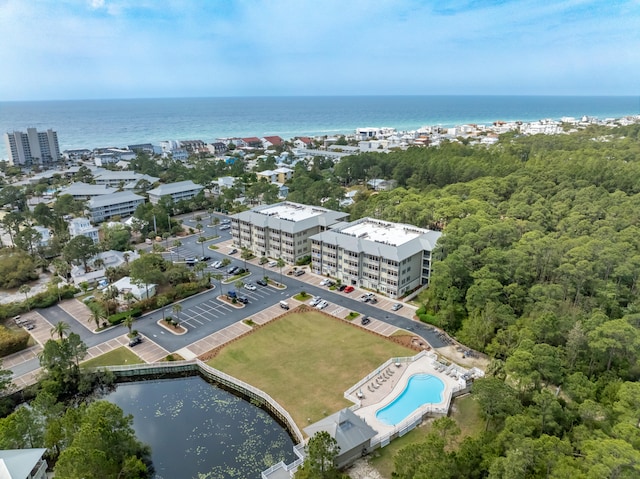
538 267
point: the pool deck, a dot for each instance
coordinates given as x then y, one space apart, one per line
398 375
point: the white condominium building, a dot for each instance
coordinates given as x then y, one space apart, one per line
181 190
391 258
282 230
32 147
121 204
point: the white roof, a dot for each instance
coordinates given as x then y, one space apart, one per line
18 463
395 241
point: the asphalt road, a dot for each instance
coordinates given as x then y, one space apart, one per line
203 314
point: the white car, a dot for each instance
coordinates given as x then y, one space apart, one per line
272 264
225 227
250 287
322 304
396 307
216 264
324 282
315 300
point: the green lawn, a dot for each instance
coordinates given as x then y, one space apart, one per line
119 356
306 361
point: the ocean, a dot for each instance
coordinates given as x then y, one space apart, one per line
102 123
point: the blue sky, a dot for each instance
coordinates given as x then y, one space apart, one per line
81 49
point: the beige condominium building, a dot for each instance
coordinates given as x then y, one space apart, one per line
282 230
390 258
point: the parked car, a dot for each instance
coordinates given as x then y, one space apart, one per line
250 287
205 258
365 320
233 251
232 294
299 272
135 340
315 301
322 304
272 264
342 287
373 301
348 289
324 282
243 299
365 298
261 282
225 227
216 264
232 270
225 222
396 307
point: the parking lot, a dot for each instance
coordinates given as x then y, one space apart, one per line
212 309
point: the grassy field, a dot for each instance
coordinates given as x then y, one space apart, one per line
465 412
306 361
116 357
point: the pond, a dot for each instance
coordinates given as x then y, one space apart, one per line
199 431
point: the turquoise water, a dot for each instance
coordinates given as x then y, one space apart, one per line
421 389
100 123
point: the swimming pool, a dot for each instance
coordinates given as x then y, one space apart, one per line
420 389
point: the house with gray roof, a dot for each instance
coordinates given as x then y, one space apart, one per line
181 190
85 191
390 258
350 431
23 464
282 230
123 204
125 179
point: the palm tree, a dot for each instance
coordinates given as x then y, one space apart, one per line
199 227
161 302
98 263
176 308
239 284
201 240
218 277
61 329
246 254
126 257
200 267
96 315
177 244
281 264
128 322
263 260
24 289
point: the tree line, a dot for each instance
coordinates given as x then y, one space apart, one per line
538 267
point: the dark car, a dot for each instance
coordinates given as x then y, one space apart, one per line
365 320
233 251
261 282
232 270
205 258
243 299
134 341
232 294
342 287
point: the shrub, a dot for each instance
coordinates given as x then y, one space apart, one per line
303 261
119 317
12 341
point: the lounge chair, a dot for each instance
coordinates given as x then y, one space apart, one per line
369 387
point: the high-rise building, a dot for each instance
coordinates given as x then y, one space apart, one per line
32 147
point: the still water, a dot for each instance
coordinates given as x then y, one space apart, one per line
199 431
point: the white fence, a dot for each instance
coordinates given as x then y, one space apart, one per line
217 376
